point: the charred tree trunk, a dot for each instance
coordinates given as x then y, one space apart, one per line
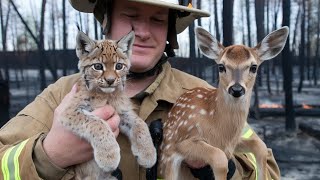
294 41
4 27
39 42
41 49
200 67
227 18
95 28
287 71
308 41
248 22
317 56
216 20
268 63
302 47
4 101
276 8
259 11
243 12
218 36
65 36
53 36
4 81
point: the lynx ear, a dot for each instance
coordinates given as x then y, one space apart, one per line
84 45
208 45
272 44
126 43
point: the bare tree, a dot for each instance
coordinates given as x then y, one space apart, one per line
53 30
259 12
39 42
302 46
248 22
227 18
216 20
294 41
309 32
317 55
41 47
268 64
243 11
287 71
65 35
215 73
276 9
4 82
4 30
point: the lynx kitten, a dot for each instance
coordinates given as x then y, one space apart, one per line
103 66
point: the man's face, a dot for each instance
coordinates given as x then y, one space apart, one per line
150 24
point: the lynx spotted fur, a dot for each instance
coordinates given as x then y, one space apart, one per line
103 66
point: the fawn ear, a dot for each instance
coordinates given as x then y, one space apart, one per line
84 45
126 43
208 45
272 44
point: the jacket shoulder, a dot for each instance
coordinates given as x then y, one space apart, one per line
188 81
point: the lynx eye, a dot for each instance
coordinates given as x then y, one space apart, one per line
119 66
221 68
97 67
253 68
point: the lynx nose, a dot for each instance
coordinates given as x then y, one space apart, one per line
236 90
110 81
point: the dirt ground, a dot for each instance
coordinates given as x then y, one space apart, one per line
297 153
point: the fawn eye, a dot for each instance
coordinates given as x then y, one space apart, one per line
97 67
221 68
119 66
253 68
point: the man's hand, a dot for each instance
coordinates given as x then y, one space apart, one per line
65 148
195 164
204 172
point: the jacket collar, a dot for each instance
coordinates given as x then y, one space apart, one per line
165 88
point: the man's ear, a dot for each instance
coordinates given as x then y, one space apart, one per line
84 45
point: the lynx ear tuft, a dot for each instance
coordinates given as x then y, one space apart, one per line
84 45
126 43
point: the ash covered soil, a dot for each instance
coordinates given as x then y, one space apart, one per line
297 153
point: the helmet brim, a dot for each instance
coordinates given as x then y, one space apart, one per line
182 23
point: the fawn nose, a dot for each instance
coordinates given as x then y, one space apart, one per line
236 90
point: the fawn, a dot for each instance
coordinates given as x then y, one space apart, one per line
206 124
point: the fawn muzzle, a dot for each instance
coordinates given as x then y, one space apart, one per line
236 90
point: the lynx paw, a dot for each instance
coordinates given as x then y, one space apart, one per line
108 157
146 156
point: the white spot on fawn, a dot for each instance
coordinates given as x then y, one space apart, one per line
190 127
168 146
190 116
203 112
200 96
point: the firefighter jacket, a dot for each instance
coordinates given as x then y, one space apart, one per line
22 155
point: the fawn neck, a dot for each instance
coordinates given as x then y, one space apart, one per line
231 113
